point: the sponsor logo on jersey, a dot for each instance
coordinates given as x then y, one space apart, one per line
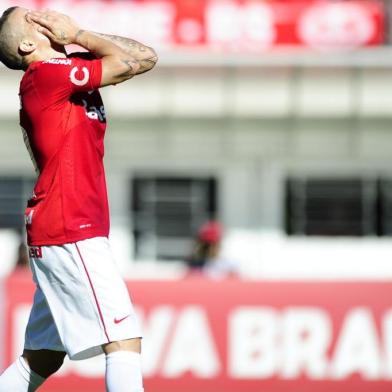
118 321
35 252
75 80
29 218
86 226
94 112
58 61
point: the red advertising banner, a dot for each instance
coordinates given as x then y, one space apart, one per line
215 336
231 25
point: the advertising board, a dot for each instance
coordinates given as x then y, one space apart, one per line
232 335
240 26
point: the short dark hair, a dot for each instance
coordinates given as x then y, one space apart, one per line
9 55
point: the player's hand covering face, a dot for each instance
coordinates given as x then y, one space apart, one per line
59 28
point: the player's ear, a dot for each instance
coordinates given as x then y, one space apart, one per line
27 46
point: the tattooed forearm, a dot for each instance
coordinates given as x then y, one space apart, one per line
134 48
145 55
132 65
147 64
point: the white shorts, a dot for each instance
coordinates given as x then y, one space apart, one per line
81 301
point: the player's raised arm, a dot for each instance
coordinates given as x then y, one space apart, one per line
118 65
144 55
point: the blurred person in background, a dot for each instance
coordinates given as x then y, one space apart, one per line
207 255
22 258
81 305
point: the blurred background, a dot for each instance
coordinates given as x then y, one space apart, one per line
250 189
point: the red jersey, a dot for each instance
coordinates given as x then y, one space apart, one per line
63 121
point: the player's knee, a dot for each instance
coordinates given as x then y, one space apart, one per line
123 345
44 362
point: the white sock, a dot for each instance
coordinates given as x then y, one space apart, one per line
124 372
20 378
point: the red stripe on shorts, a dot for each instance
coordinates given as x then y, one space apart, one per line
95 295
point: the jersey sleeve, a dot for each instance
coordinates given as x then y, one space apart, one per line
58 79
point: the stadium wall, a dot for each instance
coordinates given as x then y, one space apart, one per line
254 124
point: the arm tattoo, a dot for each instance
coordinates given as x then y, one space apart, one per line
145 57
130 64
78 34
147 64
128 45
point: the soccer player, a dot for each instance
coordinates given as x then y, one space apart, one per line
81 305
